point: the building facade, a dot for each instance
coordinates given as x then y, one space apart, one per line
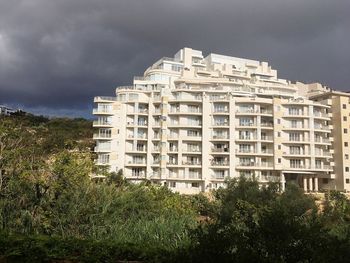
191 122
4 110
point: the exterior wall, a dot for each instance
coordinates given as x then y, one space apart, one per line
191 122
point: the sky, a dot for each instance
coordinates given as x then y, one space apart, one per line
56 55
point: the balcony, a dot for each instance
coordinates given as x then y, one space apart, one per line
266 138
102 149
192 124
219 98
137 162
266 124
220 137
101 124
220 150
105 99
142 111
142 123
246 124
247 138
102 162
218 177
224 123
267 151
299 166
220 163
102 111
266 112
246 151
137 136
101 136
192 150
194 175
321 115
219 110
192 162
246 111
138 150
173 149
173 162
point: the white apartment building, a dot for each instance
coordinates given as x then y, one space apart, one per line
4 110
191 122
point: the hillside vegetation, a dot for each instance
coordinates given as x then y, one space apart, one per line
50 210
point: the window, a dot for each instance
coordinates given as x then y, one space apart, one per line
193 133
105 133
103 158
346 169
345 118
279 147
278 134
294 136
294 111
246 121
195 185
244 135
345 130
244 148
278 121
294 150
346 144
172 184
347 180
279 160
318 164
295 163
347 156
344 106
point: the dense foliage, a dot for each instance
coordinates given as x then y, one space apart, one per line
50 210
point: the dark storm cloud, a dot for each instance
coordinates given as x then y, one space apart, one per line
58 54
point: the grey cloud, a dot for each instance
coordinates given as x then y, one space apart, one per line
58 54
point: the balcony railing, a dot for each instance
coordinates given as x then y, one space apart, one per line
143 111
102 123
220 137
266 138
194 175
102 110
321 114
102 135
220 110
191 162
247 138
299 166
220 149
220 163
225 123
247 111
246 151
99 98
246 124
137 162
192 150
266 111
266 124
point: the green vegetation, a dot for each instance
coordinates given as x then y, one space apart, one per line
51 211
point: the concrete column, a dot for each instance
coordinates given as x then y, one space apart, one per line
206 123
305 184
283 182
316 184
310 184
